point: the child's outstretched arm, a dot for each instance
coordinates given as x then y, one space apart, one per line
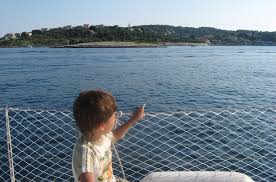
120 132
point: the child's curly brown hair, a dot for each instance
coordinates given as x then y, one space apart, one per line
91 108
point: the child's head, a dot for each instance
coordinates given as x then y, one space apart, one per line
92 109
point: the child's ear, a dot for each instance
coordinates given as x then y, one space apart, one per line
102 126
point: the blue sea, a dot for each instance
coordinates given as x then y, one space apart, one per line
166 79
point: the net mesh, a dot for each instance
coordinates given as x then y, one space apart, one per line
239 140
4 162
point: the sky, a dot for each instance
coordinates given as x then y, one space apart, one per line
26 15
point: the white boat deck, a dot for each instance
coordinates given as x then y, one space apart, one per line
196 176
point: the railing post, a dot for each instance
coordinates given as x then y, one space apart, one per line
9 144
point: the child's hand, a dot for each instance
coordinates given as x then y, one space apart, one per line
138 114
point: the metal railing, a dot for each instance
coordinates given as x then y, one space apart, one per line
36 145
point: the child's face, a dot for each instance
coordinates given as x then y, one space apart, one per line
110 123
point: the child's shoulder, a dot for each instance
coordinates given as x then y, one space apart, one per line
109 136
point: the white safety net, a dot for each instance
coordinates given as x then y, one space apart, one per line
239 140
4 162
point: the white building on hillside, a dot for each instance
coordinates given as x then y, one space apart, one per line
85 25
10 36
67 27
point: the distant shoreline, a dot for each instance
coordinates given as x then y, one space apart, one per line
142 36
110 44
113 44
128 44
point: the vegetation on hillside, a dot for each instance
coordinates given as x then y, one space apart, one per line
144 33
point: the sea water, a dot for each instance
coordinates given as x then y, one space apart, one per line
166 79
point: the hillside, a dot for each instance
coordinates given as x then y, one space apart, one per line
141 34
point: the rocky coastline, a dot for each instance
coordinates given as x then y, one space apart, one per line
111 45
128 45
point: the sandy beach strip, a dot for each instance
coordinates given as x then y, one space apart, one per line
110 45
